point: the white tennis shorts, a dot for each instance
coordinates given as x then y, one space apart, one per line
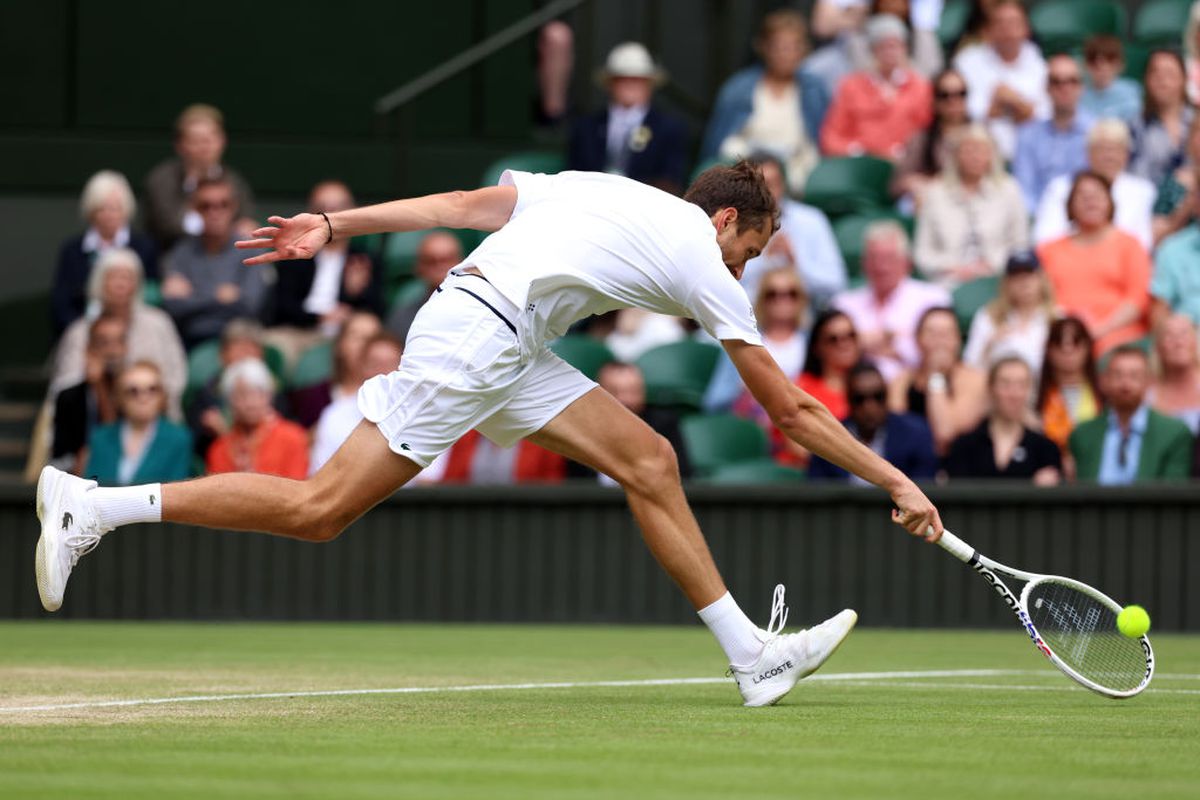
463 368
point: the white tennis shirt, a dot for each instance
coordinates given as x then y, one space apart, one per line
582 243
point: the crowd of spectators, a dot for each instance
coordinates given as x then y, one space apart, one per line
1056 190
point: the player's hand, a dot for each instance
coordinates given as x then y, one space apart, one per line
915 513
287 238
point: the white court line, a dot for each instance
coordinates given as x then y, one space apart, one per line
849 678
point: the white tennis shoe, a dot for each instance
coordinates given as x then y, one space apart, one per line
70 530
786 658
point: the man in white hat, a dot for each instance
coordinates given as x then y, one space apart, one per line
631 137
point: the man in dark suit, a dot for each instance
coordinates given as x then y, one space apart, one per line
631 137
903 439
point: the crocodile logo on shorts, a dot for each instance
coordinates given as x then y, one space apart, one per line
404 446
67 519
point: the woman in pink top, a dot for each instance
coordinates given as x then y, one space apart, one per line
1099 273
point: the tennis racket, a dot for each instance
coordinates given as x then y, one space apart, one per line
1072 624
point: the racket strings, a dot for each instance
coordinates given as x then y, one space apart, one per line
1082 632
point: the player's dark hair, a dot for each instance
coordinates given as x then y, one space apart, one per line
741 187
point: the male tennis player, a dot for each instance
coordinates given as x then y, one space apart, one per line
565 246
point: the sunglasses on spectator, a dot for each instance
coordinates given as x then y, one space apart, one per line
950 94
775 294
214 205
1068 81
149 390
838 338
857 399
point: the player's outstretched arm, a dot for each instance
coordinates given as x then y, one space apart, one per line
806 421
303 235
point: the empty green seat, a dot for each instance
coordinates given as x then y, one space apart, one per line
1061 25
314 366
718 440
952 22
840 186
583 353
972 296
759 471
1161 23
204 362
527 161
677 374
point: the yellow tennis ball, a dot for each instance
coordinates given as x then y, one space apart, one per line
1133 621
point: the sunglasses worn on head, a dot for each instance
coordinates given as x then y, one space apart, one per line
858 399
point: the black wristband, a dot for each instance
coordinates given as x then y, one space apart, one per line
329 225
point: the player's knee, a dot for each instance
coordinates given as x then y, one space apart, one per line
656 466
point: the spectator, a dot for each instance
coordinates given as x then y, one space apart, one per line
115 289
1160 132
206 411
308 402
925 154
93 401
921 19
975 28
886 310
1174 206
1133 197
1068 393
199 146
804 242
876 111
1191 48
1175 284
555 63
1048 148
1003 446
1131 442
380 355
1109 95
903 439
1005 75
143 446
776 106
972 217
437 254
1176 388
478 461
949 394
632 136
205 284
1099 273
259 439
107 206
1018 321
636 330
315 296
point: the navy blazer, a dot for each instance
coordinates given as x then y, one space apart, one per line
908 444
68 297
662 163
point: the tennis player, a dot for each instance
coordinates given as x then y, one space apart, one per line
565 246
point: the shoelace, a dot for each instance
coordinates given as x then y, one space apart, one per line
80 544
779 611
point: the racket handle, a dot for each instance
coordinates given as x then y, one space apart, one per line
956 546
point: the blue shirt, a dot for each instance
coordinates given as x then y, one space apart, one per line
1122 100
1119 459
1176 278
814 248
1045 151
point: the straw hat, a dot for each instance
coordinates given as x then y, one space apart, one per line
630 60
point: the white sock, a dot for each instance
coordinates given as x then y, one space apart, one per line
121 505
738 636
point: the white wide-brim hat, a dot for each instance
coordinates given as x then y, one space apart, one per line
630 60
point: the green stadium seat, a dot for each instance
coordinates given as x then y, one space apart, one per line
953 22
840 186
204 362
398 251
755 472
1062 25
849 230
583 353
1136 56
526 161
677 374
314 366
972 296
409 292
1161 23
718 440
152 293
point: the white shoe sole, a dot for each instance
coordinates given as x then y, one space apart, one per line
770 701
46 554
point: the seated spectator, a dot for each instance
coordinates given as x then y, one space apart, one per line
1003 446
437 254
627 385
804 242
949 394
205 284
1160 132
93 401
972 218
1109 95
478 461
632 136
1068 393
207 414
921 19
1174 207
258 439
199 147
115 289
975 29
925 155
1048 148
315 296
1130 442
903 439
308 402
143 446
776 106
1175 283
1099 273
380 355
637 330
1176 388
876 111
1191 48
886 310
833 350
1005 75
107 206
1133 197
1018 321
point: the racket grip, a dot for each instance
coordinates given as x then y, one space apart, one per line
956 546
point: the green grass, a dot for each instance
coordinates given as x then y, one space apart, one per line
903 737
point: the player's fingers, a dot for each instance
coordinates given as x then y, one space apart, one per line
264 232
253 244
278 220
935 529
265 258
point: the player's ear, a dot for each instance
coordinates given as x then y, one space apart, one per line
726 217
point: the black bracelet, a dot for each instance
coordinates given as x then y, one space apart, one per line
329 225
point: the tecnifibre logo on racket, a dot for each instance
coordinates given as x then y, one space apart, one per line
1011 601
